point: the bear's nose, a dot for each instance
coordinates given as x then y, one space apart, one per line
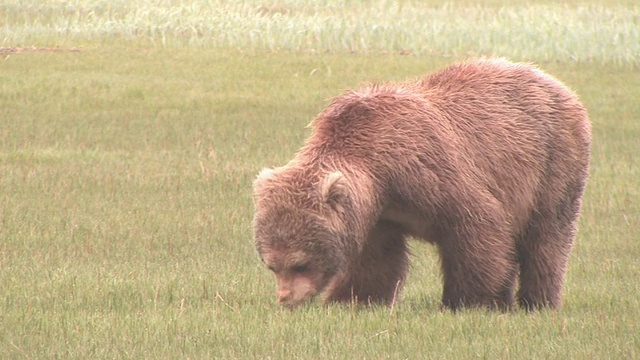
284 296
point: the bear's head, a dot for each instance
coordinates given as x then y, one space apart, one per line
302 230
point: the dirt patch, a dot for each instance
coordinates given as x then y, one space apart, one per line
22 49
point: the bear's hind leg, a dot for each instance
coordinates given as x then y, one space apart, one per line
544 247
543 254
479 269
381 270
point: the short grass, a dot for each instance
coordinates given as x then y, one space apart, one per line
125 210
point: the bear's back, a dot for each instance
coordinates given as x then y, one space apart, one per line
469 106
477 123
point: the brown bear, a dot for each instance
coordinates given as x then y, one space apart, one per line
486 159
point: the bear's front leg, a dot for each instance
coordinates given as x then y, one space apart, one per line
378 274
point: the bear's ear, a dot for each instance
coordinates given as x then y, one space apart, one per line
264 175
334 188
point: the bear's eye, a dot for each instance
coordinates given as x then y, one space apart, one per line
300 268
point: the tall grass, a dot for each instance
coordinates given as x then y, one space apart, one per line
549 31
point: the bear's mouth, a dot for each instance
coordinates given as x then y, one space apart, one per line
296 303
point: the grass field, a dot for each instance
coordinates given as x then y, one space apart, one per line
584 31
126 162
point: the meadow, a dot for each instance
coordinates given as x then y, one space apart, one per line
131 131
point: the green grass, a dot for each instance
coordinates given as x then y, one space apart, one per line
596 31
125 210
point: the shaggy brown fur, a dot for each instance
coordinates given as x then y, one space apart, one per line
486 159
